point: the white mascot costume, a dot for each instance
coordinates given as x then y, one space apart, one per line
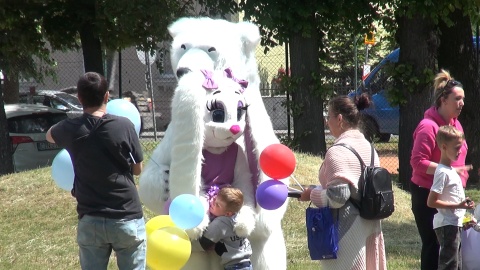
471 244
212 108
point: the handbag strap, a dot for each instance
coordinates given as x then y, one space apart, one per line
372 160
357 203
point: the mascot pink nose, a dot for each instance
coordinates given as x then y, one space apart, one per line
235 129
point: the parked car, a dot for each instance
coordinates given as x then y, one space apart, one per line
54 99
28 125
382 119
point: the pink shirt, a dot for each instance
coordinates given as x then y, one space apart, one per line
425 149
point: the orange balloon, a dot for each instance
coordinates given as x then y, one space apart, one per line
277 161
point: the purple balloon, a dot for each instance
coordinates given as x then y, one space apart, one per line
271 194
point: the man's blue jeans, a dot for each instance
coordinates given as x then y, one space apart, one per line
98 236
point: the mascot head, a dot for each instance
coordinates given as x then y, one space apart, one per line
225 109
205 43
208 112
215 44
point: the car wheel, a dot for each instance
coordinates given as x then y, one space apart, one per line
369 128
384 137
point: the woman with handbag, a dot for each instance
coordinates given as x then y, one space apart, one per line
361 244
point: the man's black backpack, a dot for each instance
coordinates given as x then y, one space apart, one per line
375 187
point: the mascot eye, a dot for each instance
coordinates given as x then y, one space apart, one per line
183 47
212 49
218 116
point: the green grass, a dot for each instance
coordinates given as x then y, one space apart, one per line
38 224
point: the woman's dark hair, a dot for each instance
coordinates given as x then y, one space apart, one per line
349 108
92 88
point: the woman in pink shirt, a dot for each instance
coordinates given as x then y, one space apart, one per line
361 245
448 103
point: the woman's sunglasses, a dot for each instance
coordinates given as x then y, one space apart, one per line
451 84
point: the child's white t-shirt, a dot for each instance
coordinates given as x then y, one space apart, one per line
447 183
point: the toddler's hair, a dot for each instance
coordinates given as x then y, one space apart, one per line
233 198
447 134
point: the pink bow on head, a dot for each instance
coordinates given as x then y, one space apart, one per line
243 83
209 83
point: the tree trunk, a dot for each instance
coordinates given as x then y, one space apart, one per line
418 43
307 110
11 88
6 156
92 49
456 54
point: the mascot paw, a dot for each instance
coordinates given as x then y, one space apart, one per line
245 222
196 233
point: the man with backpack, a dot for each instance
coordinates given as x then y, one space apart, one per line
361 244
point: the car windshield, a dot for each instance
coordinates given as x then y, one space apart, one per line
70 99
35 123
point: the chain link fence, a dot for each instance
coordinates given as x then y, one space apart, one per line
130 78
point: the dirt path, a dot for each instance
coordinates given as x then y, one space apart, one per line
390 162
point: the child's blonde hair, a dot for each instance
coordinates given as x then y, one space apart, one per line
447 134
233 198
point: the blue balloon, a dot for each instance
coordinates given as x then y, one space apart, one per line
62 170
126 109
186 211
271 194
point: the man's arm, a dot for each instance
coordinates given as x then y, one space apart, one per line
49 135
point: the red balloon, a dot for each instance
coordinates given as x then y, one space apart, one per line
277 161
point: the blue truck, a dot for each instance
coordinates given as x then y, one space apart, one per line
382 119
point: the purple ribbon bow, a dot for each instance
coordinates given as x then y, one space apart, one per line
243 83
209 83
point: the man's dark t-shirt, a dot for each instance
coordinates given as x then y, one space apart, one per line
100 149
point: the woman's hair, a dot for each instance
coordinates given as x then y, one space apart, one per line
443 85
232 197
92 88
349 108
447 134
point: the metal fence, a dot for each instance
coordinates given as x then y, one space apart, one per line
129 77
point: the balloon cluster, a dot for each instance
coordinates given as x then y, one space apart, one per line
62 167
276 161
168 245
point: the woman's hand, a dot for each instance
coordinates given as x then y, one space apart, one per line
462 169
305 196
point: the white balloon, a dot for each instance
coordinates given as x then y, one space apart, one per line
126 109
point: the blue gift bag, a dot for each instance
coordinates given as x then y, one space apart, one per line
322 233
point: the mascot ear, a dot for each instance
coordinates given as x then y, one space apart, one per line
250 35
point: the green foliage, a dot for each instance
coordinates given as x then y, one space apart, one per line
144 25
411 82
22 47
438 11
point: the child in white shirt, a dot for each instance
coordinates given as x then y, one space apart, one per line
448 196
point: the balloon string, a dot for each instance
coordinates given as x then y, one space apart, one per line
295 189
293 177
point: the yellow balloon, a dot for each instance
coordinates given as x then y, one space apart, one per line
168 248
158 222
